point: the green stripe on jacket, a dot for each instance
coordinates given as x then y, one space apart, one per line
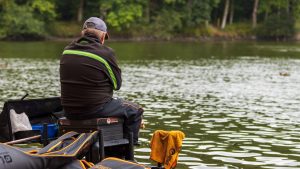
98 58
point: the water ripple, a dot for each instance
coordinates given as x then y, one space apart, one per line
236 113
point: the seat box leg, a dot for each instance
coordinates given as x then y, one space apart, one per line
130 148
93 154
45 135
101 145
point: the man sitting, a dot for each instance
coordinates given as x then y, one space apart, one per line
88 74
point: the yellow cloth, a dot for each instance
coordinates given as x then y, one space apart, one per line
165 147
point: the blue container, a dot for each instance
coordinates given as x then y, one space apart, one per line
52 129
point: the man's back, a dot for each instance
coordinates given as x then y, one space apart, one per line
86 82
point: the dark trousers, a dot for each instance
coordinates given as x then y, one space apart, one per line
130 112
116 107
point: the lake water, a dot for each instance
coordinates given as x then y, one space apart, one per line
237 102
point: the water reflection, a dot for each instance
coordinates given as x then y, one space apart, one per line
236 113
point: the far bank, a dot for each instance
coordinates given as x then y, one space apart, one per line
66 31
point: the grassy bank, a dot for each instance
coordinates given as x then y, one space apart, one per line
65 30
237 31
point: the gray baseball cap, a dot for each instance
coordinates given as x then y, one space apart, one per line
96 23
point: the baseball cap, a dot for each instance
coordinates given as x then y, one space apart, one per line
96 23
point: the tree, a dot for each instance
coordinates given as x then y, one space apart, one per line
254 14
280 23
80 11
225 14
271 7
199 12
120 14
43 10
25 20
231 14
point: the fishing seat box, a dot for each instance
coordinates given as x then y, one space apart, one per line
111 138
112 128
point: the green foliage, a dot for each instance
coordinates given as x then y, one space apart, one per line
163 19
19 22
66 9
64 29
239 29
25 20
166 23
272 6
199 12
277 27
121 13
200 31
297 26
43 9
174 1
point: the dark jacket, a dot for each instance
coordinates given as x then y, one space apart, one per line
88 74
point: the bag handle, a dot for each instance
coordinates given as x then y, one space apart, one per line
55 142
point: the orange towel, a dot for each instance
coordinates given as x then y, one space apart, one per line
165 147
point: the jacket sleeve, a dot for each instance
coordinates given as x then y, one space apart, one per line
116 69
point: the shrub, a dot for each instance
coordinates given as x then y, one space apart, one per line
166 24
64 29
279 27
25 20
240 29
18 23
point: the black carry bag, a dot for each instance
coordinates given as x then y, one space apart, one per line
59 154
116 163
43 110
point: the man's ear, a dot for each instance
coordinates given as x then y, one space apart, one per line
102 38
82 32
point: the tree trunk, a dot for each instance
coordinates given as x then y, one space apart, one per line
231 12
290 7
266 15
254 14
225 14
188 13
148 12
80 11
